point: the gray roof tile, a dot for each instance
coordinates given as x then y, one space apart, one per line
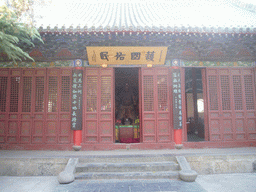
185 15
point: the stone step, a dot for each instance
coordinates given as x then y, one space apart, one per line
127 175
127 158
127 167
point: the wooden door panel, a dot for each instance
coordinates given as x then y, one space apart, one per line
148 105
39 106
51 129
90 128
26 106
65 133
4 81
231 101
156 104
99 117
106 117
13 129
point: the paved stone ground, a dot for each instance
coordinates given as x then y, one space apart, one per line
77 154
211 183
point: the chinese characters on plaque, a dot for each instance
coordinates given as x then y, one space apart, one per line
126 55
177 107
77 98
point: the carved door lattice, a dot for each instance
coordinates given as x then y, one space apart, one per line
23 119
231 97
99 113
155 105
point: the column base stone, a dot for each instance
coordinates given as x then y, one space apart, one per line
77 148
178 146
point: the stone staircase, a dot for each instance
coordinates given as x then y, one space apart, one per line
127 167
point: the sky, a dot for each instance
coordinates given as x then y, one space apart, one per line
104 1
214 12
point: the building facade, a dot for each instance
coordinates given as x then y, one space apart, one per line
188 86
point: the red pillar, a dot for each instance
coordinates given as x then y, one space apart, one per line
177 110
77 134
178 136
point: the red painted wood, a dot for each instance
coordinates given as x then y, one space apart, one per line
206 122
5 98
26 114
13 126
90 112
140 105
39 106
155 105
51 127
106 105
99 105
64 103
77 137
178 136
231 104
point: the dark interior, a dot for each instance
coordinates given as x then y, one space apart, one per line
194 104
127 105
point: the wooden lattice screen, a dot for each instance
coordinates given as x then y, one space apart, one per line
156 105
99 110
35 106
231 97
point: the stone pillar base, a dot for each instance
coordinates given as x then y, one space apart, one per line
77 148
178 146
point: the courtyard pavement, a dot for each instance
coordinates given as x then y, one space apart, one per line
235 182
77 154
212 183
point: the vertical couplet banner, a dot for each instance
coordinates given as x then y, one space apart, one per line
77 99
177 102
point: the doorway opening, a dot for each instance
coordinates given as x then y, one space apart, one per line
194 105
127 126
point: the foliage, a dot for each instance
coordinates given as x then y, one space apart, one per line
14 32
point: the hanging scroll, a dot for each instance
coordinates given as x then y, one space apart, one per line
77 96
177 106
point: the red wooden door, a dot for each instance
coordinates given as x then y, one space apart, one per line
32 106
4 116
155 105
39 106
51 129
64 132
231 104
26 114
13 109
98 110
58 125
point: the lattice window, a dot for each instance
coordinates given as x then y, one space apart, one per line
225 92
213 92
106 93
248 88
27 89
3 88
52 95
14 98
65 94
92 94
238 92
39 107
162 93
148 93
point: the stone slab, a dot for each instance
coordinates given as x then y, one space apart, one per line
127 175
184 165
67 176
127 167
